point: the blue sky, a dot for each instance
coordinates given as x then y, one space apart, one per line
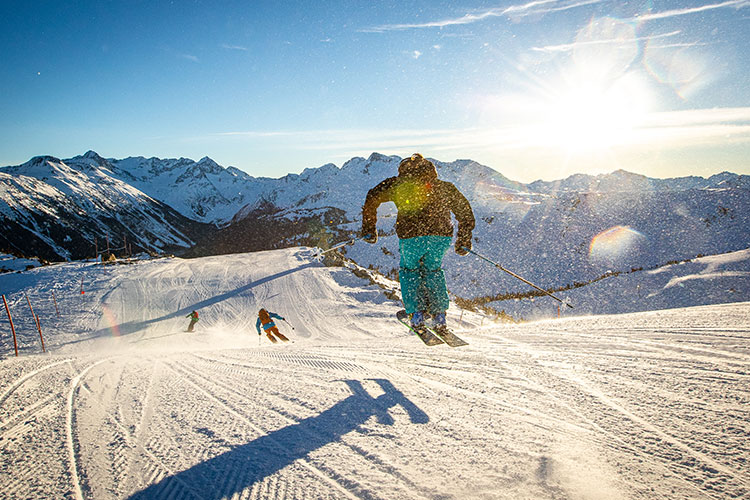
536 89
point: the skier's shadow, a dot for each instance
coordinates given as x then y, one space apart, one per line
245 465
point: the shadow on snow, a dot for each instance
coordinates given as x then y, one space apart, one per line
130 327
245 465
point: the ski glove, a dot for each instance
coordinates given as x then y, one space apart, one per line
463 244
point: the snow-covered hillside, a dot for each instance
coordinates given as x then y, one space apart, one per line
561 240
715 279
125 404
58 211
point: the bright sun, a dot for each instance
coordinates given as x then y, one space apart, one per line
590 113
599 101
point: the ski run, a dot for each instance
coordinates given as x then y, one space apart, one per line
125 404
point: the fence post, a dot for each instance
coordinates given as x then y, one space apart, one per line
55 300
29 302
12 328
41 337
36 319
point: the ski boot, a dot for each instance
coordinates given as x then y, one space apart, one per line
419 327
417 320
438 324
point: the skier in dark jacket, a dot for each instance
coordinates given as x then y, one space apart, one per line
264 320
425 229
193 320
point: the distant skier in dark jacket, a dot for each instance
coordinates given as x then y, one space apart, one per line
425 229
264 320
193 320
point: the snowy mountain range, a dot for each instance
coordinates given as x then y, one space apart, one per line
556 234
60 210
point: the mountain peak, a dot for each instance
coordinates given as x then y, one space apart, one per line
380 157
91 159
207 166
93 155
38 160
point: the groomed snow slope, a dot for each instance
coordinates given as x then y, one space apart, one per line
127 405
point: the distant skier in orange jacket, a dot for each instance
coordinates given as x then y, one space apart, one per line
264 320
193 320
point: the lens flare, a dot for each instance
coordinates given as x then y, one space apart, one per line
616 245
411 196
110 320
686 69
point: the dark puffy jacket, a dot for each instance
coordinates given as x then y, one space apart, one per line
423 201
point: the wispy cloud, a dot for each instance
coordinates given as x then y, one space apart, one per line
536 7
250 134
679 45
570 46
189 57
361 139
737 4
668 129
700 117
233 47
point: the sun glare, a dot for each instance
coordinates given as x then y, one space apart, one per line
593 114
598 102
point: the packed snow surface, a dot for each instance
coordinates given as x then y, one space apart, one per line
126 404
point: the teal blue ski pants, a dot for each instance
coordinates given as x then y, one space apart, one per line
421 274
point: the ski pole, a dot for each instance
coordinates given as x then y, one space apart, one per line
517 276
350 242
288 323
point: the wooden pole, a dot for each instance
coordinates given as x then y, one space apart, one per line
29 303
82 292
36 319
57 310
41 337
12 328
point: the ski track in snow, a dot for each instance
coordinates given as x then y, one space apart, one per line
126 405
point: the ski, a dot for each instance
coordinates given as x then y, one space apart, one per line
423 333
448 336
